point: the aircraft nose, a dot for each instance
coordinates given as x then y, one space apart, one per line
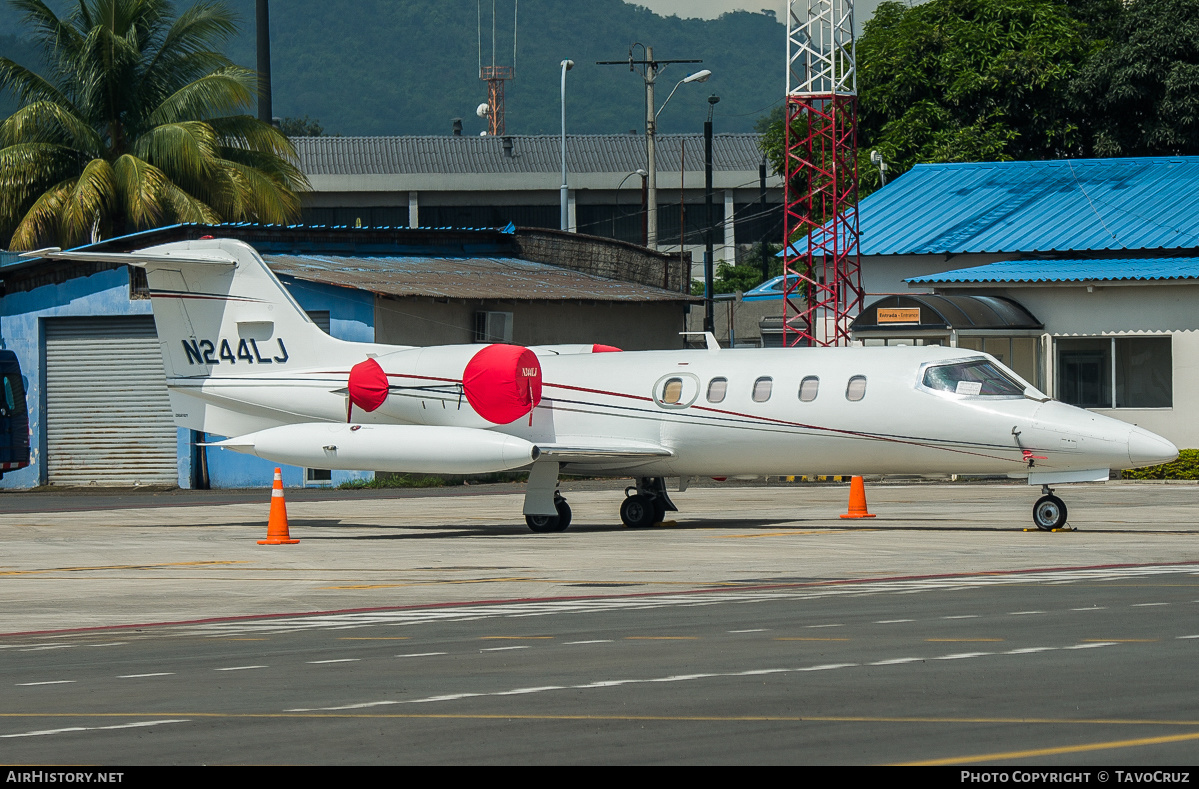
1149 449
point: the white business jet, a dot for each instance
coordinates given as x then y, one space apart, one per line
243 360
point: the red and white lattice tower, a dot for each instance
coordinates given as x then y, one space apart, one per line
823 282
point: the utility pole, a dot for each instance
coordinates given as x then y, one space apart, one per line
650 69
762 217
262 24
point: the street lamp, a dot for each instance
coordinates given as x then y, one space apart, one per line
616 212
567 65
651 132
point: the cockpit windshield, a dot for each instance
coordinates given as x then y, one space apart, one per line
977 377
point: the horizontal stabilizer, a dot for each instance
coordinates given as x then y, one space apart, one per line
139 259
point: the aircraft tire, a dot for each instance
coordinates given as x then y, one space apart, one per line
545 524
638 512
659 510
1049 513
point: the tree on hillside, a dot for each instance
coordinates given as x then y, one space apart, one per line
1142 96
134 126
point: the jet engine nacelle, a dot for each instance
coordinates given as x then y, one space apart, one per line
412 448
461 385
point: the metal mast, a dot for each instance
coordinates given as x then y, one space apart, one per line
821 264
495 76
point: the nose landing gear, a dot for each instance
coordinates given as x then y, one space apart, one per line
1049 512
648 505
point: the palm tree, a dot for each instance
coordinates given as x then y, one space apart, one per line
135 126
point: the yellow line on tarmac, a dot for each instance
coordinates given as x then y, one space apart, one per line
119 567
1095 746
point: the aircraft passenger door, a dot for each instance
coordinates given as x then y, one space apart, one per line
676 390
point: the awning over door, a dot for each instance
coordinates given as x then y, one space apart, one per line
923 312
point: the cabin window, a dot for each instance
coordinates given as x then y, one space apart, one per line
978 377
717 388
762 388
856 389
673 391
809 387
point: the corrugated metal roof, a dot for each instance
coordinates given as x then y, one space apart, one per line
1077 270
492 278
1063 205
593 153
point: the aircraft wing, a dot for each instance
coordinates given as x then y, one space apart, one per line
586 452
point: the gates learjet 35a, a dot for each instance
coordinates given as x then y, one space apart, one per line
243 360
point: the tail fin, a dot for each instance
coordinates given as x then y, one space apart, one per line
221 313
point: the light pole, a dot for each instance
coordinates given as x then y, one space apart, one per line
709 318
567 65
651 132
616 212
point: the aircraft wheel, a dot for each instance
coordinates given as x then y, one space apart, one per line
1049 513
563 512
638 512
544 524
659 510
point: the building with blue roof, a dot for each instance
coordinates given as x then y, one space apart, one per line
1101 254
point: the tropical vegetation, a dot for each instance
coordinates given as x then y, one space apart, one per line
1001 80
137 120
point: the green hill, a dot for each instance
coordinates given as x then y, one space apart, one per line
409 66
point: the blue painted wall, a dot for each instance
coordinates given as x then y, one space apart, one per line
22 316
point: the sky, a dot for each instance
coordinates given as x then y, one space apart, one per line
710 9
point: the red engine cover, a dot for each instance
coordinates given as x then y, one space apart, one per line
503 382
368 385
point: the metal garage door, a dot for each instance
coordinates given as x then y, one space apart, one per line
108 417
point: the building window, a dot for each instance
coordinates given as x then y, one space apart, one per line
808 389
1115 372
762 388
716 389
493 327
317 475
856 389
1019 354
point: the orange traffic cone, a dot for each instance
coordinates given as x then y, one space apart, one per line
857 500
276 526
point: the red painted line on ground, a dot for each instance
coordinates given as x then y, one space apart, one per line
567 598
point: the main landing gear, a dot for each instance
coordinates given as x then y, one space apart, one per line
1049 512
550 523
648 505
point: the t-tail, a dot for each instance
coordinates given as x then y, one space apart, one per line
222 313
